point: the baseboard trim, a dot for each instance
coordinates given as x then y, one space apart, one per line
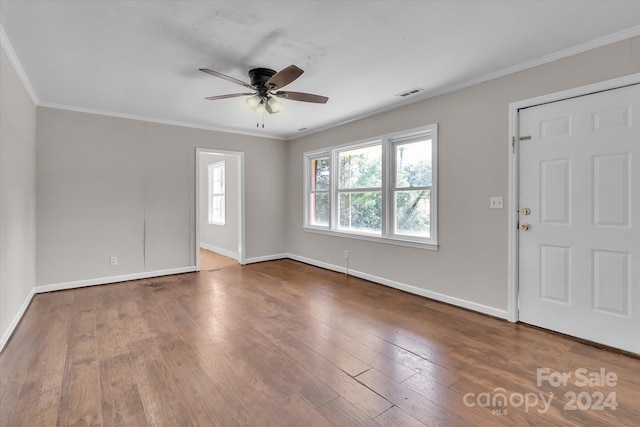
273 257
470 305
113 279
320 264
16 319
219 250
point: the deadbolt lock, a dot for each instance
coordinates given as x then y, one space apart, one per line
525 227
526 211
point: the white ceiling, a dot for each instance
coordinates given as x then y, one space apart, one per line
141 58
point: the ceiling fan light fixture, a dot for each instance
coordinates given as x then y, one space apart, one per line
265 84
253 101
274 104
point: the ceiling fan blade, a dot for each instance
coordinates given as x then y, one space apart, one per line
301 96
284 77
231 95
225 77
268 108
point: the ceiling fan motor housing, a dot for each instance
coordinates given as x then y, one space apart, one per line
260 76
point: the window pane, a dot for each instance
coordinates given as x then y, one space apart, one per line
218 187
413 213
320 177
361 211
216 178
361 168
413 164
320 209
218 174
217 209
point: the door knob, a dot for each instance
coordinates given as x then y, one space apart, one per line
525 227
526 211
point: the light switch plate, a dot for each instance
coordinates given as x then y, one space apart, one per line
496 202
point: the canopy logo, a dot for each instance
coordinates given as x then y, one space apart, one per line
499 400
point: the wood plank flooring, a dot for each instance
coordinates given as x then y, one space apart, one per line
211 260
286 344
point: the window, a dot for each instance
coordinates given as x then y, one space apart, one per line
216 193
360 189
411 187
383 189
319 191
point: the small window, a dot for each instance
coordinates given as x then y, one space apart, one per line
319 203
216 194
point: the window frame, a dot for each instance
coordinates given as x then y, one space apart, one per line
222 219
388 142
309 191
336 190
393 187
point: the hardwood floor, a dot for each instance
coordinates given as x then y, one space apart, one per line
283 343
212 260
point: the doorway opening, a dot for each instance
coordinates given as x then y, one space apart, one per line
219 208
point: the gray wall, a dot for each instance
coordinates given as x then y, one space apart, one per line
109 186
473 165
224 237
17 194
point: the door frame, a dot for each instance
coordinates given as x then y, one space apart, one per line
514 172
241 191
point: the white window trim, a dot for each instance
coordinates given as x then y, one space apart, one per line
387 236
335 190
392 185
211 168
308 191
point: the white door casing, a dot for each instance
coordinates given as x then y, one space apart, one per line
241 202
579 263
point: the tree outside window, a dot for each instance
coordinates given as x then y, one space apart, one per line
319 192
382 189
360 189
412 189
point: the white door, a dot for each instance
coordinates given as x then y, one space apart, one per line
579 262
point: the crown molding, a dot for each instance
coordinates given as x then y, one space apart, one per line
155 120
565 53
561 54
5 44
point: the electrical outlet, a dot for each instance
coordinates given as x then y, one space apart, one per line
113 260
496 202
346 254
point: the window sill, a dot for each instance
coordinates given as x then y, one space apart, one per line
215 223
386 240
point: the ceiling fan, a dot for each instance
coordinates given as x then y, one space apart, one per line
265 83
